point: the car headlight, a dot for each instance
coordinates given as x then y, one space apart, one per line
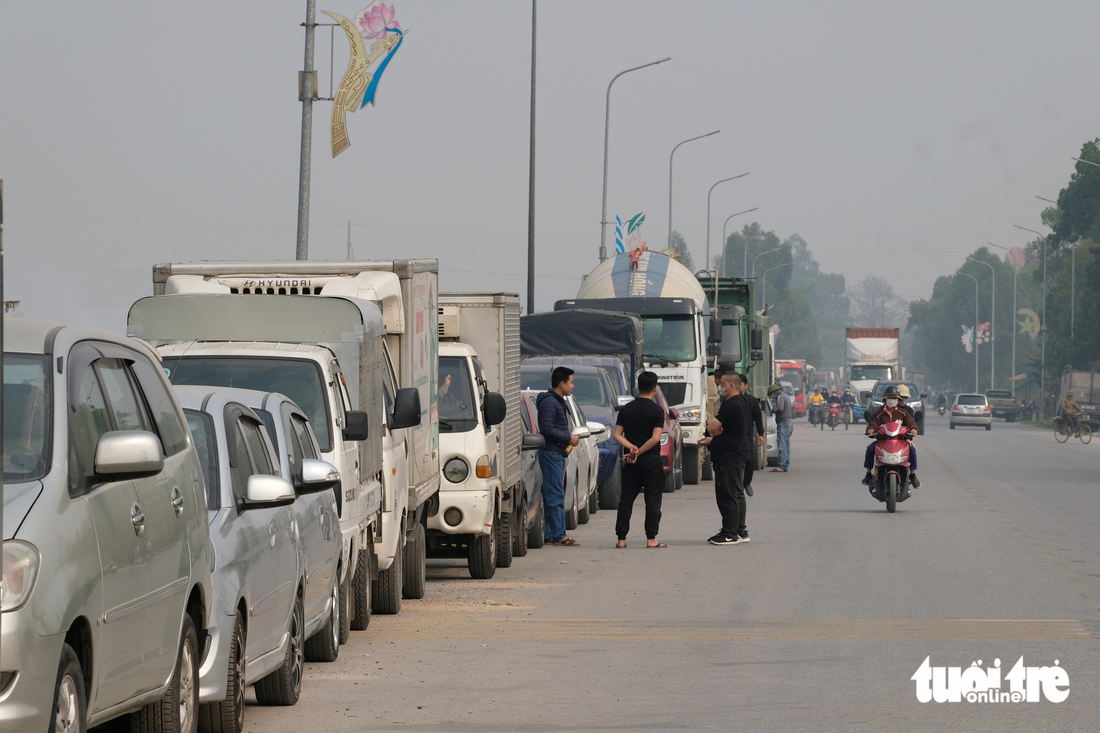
20 572
456 470
770 430
664 438
690 414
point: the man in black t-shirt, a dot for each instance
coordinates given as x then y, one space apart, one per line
726 439
638 430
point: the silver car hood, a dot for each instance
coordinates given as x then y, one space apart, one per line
18 500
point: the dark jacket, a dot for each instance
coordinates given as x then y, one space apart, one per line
553 422
753 416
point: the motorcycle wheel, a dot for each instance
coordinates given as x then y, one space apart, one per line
891 492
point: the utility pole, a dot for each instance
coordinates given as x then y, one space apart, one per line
351 251
531 177
301 251
2 348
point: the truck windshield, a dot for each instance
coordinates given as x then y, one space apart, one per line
457 405
670 338
871 371
27 397
300 380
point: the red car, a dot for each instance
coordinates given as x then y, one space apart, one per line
672 446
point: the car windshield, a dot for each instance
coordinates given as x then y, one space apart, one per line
971 399
206 445
27 398
298 379
871 371
880 389
669 338
457 406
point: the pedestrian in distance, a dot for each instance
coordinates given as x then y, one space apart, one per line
638 430
554 427
753 417
726 439
784 425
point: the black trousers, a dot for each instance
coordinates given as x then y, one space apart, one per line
750 463
729 493
645 476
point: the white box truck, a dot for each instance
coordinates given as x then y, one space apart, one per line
406 292
871 354
481 500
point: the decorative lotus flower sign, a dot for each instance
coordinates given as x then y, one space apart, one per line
358 87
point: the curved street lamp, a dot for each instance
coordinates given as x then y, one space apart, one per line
727 221
1015 274
764 280
1042 324
673 153
731 178
754 259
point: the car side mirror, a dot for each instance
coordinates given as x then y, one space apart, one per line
268 492
673 414
316 476
715 334
406 408
495 408
130 453
533 441
580 432
622 401
355 425
596 428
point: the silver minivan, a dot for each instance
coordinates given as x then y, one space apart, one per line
260 624
106 549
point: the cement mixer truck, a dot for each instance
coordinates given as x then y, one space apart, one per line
676 322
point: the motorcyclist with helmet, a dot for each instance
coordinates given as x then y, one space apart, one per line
848 402
816 401
892 411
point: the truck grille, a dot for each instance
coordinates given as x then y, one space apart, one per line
276 291
674 392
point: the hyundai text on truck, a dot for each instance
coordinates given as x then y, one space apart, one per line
404 292
870 354
482 505
675 316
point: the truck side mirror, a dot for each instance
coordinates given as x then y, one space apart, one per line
406 408
715 335
355 425
495 408
757 339
714 349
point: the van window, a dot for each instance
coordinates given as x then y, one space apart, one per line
206 445
126 409
300 430
240 466
261 460
89 418
27 400
269 425
172 435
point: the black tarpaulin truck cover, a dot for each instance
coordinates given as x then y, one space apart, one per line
583 332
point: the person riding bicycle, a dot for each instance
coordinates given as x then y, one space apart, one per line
892 411
1070 411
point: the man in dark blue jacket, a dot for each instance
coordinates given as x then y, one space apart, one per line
554 427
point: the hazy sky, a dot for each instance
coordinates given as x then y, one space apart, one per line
894 137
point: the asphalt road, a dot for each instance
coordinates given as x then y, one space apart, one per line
818 623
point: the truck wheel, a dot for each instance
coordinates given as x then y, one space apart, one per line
415 562
708 470
536 534
690 460
347 609
519 535
361 586
503 531
571 514
482 558
611 488
324 645
386 591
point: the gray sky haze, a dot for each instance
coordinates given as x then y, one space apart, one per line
894 137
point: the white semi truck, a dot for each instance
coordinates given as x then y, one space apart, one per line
676 322
406 292
871 354
481 509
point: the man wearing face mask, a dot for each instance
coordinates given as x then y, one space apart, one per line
892 411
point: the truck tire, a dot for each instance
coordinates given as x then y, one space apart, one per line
503 531
416 565
536 533
708 469
690 460
347 601
482 558
571 514
386 591
519 532
361 593
611 488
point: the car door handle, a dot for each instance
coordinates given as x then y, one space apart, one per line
272 530
177 501
138 518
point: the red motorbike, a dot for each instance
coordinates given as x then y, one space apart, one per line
891 468
834 415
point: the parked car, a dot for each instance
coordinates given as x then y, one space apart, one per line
971 409
1002 404
572 479
532 473
595 390
588 459
258 628
672 446
915 401
772 439
613 365
106 544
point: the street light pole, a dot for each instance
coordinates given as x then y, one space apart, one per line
993 323
754 259
732 178
301 249
531 174
727 221
764 279
974 338
606 128
745 252
671 155
1043 323
1015 274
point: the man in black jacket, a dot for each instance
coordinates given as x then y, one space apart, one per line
753 416
554 427
727 443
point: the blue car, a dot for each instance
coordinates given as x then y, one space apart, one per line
597 392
